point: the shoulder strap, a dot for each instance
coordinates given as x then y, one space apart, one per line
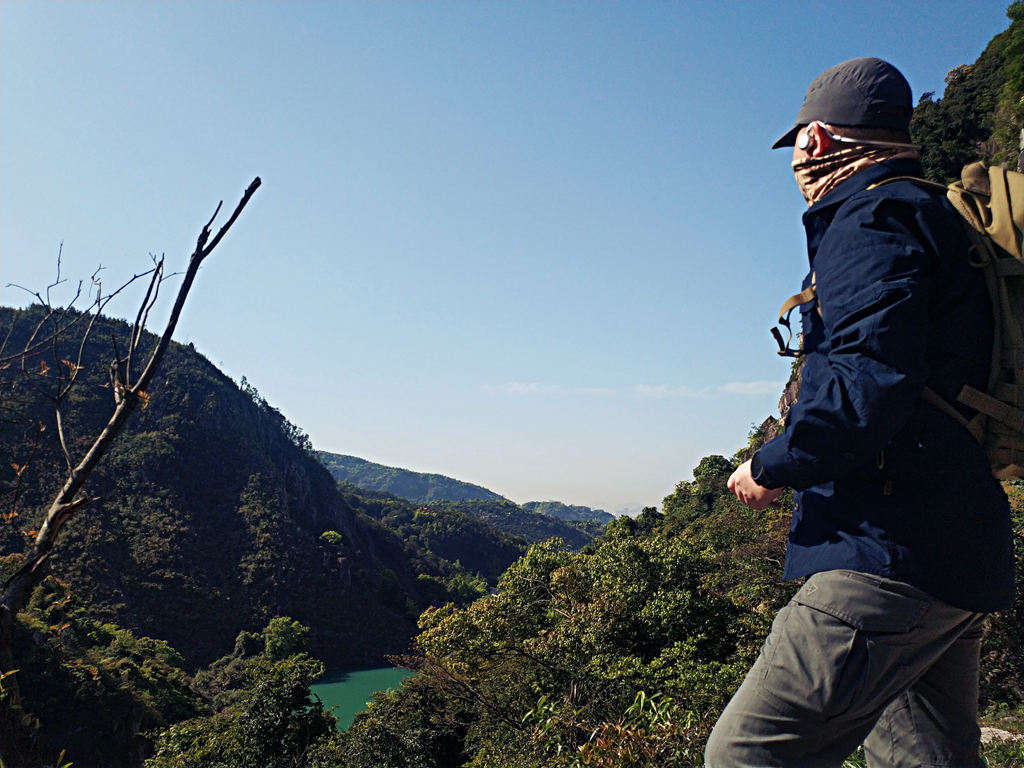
808 294
916 179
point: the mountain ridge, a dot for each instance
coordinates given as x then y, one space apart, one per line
408 484
426 487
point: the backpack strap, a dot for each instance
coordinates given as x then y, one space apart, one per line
807 295
1002 412
916 179
975 426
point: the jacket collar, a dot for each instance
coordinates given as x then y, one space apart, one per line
818 217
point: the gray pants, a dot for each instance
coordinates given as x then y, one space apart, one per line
855 658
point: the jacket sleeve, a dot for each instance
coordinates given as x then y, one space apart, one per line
873 276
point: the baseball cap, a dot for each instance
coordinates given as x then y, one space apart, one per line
865 93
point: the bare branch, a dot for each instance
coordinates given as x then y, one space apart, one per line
70 498
34 294
57 281
195 260
152 291
100 302
22 469
60 436
67 500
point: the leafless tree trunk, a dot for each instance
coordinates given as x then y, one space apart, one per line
17 745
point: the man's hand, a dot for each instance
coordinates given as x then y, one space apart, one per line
750 493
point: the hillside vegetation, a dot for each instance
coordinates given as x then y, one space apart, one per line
420 487
981 113
533 521
214 508
568 511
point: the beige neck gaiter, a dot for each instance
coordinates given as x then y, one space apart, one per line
817 176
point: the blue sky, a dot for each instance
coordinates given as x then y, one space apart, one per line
536 246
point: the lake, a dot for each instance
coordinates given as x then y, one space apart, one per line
349 691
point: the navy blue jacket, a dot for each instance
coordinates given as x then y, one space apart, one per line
886 483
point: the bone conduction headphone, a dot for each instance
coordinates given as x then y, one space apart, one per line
803 140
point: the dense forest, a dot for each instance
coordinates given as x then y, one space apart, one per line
223 569
568 511
214 517
414 486
981 113
533 521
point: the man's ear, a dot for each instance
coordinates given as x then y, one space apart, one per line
821 142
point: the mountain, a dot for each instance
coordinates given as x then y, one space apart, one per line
567 511
215 516
415 486
981 113
533 521
442 535
531 526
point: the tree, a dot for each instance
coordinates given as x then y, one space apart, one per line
130 377
274 723
283 637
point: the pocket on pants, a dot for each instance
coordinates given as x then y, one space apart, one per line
817 663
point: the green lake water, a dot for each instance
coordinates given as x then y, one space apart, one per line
349 691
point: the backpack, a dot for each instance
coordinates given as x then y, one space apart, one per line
990 202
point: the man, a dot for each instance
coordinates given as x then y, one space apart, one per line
897 519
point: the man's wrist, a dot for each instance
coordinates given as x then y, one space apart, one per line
759 473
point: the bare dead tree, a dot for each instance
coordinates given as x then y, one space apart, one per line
17 749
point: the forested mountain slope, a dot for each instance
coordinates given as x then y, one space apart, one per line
531 526
441 533
533 521
212 516
568 511
415 486
981 113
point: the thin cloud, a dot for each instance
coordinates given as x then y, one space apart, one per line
664 391
652 391
540 388
753 387
667 390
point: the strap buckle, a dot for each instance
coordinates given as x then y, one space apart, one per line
784 348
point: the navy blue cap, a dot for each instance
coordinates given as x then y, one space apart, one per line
865 93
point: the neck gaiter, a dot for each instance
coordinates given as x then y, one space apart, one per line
817 176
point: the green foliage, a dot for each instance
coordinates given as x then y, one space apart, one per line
568 511
442 538
1002 650
654 731
295 434
981 113
211 509
517 521
283 637
418 487
622 654
693 499
334 539
97 688
560 652
274 723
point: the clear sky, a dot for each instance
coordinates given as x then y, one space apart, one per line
536 246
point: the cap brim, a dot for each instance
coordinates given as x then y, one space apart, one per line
789 137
